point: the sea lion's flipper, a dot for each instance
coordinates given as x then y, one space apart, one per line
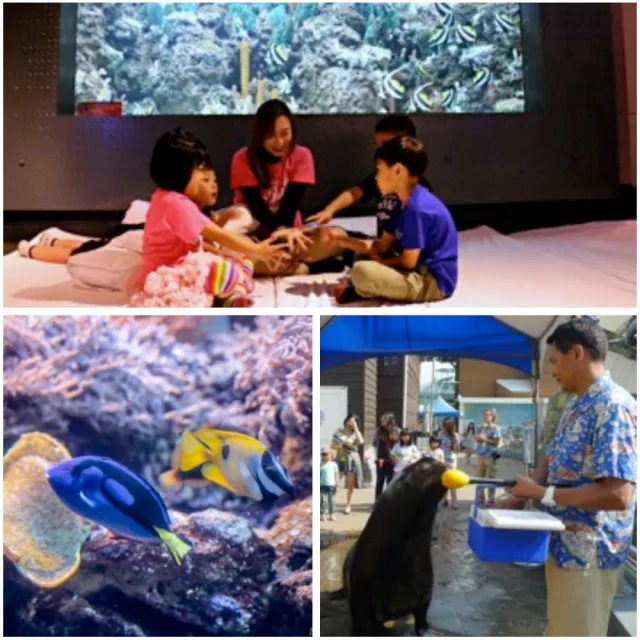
420 619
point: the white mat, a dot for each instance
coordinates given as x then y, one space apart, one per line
591 265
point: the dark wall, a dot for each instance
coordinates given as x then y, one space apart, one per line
566 152
391 390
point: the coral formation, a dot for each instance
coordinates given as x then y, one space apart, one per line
180 58
46 555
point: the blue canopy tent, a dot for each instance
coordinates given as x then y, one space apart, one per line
442 409
515 341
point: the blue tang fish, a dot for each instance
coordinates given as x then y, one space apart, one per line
239 463
104 491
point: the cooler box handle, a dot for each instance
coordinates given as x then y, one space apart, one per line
485 486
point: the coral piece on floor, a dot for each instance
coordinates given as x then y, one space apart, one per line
196 281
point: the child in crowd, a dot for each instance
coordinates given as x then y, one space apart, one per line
271 177
329 480
469 444
435 452
450 444
404 453
421 233
390 127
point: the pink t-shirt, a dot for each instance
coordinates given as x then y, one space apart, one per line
296 167
171 230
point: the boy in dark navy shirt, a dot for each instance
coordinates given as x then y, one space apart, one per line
421 233
393 126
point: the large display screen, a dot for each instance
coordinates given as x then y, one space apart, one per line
320 58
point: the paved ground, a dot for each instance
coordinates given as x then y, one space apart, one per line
471 598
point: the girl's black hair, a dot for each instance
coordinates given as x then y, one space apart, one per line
175 155
434 439
263 125
471 427
406 151
406 432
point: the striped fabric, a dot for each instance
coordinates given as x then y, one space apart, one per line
230 282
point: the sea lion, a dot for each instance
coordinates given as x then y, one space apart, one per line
388 573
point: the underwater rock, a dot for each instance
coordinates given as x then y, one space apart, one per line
291 605
233 583
333 90
124 32
292 536
221 586
510 105
62 614
480 54
315 32
47 556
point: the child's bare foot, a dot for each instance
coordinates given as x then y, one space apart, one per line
241 301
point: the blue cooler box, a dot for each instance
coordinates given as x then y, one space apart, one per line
505 535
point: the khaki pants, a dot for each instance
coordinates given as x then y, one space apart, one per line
374 280
579 601
487 469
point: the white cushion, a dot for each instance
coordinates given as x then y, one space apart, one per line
136 213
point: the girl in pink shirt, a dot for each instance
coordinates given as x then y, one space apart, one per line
271 177
174 226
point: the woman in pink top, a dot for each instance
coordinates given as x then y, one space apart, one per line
271 177
174 226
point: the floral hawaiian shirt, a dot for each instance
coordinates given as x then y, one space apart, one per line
596 438
485 450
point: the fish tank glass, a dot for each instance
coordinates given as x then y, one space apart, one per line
320 58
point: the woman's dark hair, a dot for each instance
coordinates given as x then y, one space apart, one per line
175 155
396 123
263 125
354 416
583 331
407 151
449 428
390 419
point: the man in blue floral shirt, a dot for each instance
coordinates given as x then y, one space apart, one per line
590 470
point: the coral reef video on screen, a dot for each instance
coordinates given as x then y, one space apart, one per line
200 58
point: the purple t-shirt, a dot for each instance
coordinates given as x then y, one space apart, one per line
426 224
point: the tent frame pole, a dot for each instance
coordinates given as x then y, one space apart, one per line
536 408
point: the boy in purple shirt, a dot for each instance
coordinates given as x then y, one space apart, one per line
416 259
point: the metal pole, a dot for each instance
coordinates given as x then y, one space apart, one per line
405 386
433 390
536 406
